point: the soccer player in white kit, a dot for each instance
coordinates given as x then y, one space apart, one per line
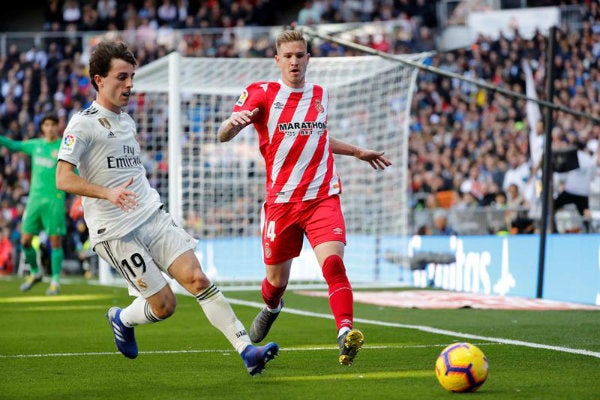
303 187
127 224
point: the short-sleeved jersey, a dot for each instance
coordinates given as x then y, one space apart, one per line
578 181
104 148
292 130
43 167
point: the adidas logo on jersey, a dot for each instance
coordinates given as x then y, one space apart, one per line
106 124
89 111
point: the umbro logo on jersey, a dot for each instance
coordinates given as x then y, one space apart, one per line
278 106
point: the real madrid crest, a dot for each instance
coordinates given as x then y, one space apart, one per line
105 123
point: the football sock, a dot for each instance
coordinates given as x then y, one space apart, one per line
340 291
221 316
272 295
56 260
31 259
138 312
343 330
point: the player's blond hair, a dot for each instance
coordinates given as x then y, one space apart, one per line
288 37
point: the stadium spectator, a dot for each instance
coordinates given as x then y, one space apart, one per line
464 7
167 13
6 251
309 14
441 227
52 15
89 19
71 13
107 13
148 11
518 172
517 216
467 201
262 14
303 187
128 227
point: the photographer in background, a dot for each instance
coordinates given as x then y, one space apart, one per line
575 169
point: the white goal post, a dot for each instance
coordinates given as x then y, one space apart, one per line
215 190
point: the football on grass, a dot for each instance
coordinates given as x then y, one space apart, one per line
461 367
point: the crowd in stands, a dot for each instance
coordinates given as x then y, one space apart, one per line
470 145
469 148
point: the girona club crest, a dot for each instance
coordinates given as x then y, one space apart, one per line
319 106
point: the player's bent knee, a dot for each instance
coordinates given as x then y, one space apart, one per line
164 310
201 283
194 280
163 303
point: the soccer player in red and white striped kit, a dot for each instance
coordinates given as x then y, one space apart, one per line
302 185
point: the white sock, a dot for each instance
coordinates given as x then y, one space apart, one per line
275 310
343 330
138 312
220 314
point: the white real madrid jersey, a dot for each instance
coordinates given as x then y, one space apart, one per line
104 148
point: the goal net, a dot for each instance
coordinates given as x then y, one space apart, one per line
216 190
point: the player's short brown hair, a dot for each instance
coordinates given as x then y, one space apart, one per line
104 53
288 37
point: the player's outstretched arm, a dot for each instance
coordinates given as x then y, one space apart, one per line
235 123
69 181
11 145
373 157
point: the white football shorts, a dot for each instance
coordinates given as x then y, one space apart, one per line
143 255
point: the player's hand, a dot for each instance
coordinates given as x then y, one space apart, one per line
122 197
241 119
374 158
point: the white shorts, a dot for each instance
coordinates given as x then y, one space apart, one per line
145 253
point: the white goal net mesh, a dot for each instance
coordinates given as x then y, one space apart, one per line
221 185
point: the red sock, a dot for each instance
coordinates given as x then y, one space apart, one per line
271 295
340 291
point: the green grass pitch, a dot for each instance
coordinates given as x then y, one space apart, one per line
62 348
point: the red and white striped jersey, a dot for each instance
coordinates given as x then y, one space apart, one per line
292 130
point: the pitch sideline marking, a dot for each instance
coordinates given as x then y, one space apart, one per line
201 351
430 329
367 375
422 328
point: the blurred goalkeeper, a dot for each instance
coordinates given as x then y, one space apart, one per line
127 224
303 188
45 210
